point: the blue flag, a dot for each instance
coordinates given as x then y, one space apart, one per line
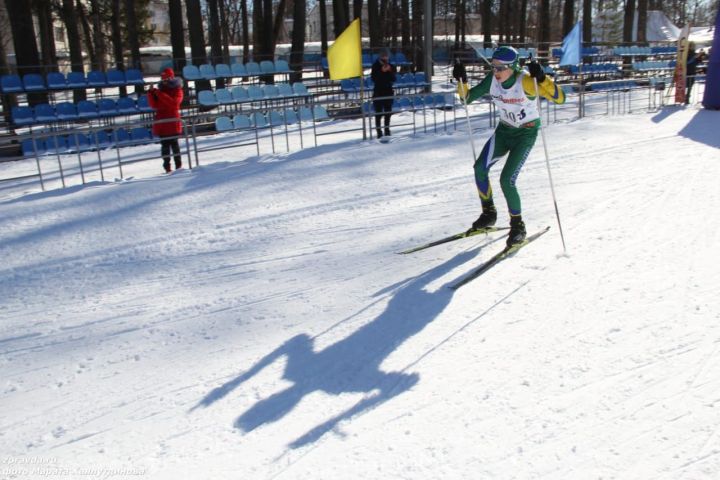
572 46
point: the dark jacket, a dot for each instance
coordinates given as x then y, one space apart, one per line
691 66
383 80
166 100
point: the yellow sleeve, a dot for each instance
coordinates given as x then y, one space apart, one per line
547 88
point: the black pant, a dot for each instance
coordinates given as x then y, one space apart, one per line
690 81
383 108
166 143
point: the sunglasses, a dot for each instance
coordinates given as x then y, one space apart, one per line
500 68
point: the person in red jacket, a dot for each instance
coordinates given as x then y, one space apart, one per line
166 99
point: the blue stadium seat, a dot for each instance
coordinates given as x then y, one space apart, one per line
66 111
253 69
255 93
56 81
56 144
191 72
99 139
281 66
305 114
238 70
143 106
276 119
223 70
116 78
290 116
271 91
107 107
420 79
241 121
207 72
223 96
133 76
285 90
141 135
32 146
96 79
207 98
78 142
11 84
239 94
87 110
266 66
45 113
22 116
126 106
348 86
121 137
76 80
403 104
223 124
34 82
300 89
259 120
320 114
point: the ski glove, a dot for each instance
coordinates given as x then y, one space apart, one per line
536 71
462 90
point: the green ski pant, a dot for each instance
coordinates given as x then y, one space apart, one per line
517 142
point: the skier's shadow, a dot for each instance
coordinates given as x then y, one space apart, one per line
352 365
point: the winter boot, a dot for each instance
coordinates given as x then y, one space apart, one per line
517 231
487 218
167 168
387 131
379 133
178 164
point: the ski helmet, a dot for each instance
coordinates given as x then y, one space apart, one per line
507 56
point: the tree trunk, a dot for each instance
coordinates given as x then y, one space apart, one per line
544 28
98 37
88 36
214 36
357 9
522 22
224 32
587 21
628 19
177 34
27 57
117 43
642 21
297 50
405 24
487 23
245 30
374 24
568 17
197 39
76 59
8 101
417 34
340 16
134 42
48 55
323 28
279 23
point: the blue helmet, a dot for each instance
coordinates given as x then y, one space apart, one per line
508 56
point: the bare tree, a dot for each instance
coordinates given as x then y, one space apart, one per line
48 55
215 38
642 21
487 23
131 25
67 13
27 57
197 39
98 37
544 28
297 50
587 21
568 16
628 19
323 27
177 34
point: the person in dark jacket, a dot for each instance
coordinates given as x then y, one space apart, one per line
166 99
383 76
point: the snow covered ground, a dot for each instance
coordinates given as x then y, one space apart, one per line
250 318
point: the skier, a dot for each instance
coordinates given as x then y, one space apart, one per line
513 92
383 76
166 100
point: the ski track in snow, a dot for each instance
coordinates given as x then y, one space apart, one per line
251 319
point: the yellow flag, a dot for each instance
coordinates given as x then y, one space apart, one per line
345 55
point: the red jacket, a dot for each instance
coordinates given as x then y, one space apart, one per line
166 101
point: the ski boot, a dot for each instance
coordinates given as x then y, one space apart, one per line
517 231
487 218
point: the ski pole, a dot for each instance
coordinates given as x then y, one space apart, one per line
547 162
467 117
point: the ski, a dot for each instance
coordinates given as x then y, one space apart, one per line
497 258
452 238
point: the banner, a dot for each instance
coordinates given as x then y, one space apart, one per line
345 54
680 77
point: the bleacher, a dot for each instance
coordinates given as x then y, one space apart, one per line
55 81
252 93
44 113
236 70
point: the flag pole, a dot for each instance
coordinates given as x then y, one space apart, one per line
362 85
547 162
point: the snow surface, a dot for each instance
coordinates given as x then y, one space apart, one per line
250 318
